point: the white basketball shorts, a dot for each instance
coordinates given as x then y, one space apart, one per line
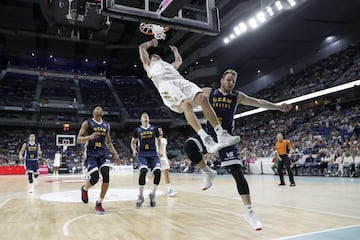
173 92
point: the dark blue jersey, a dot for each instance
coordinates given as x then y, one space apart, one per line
224 106
146 137
31 151
102 128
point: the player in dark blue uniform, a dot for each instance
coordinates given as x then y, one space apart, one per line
32 151
95 133
143 145
224 102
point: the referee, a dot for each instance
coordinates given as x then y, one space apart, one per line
283 153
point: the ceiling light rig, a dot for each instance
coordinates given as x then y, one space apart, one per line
271 10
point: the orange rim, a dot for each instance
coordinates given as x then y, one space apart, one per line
148 31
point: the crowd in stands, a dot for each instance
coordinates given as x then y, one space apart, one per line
339 68
326 137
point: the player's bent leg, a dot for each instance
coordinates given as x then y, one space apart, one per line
243 189
93 179
142 181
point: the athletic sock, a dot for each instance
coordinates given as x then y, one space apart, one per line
218 129
202 134
206 169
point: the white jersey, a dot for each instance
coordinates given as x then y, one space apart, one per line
162 71
173 87
164 161
163 147
57 160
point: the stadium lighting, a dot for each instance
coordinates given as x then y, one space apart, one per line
292 3
237 30
232 36
270 11
252 22
304 97
279 5
226 40
261 17
243 27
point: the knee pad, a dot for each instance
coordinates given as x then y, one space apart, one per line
105 174
142 176
30 176
193 149
157 176
241 183
94 177
36 175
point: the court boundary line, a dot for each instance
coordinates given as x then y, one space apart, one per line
322 231
67 223
5 202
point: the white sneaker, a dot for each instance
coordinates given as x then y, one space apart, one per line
209 178
253 220
31 188
225 139
171 193
211 145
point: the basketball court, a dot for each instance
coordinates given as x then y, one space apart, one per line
317 208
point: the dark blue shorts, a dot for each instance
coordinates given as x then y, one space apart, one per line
95 159
32 166
229 156
148 160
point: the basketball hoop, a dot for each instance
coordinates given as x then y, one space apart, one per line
153 29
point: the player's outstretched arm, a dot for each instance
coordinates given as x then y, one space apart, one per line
261 103
178 59
144 55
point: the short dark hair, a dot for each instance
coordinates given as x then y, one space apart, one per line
94 106
229 71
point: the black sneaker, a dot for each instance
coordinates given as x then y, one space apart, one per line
281 184
292 185
152 200
140 201
84 195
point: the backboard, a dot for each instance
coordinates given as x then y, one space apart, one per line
62 139
200 16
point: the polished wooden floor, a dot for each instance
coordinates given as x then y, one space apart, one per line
316 204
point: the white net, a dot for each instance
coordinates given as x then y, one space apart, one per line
158 31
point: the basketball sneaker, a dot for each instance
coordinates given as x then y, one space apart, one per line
98 208
225 139
253 220
171 193
84 195
208 179
140 201
211 145
31 188
152 200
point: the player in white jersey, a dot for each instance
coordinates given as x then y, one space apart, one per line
57 162
164 163
181 95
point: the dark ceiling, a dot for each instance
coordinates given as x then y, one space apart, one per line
294 33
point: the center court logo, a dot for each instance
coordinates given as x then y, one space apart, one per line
113 195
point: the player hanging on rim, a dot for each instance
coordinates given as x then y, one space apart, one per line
227 100
181 95
95 133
